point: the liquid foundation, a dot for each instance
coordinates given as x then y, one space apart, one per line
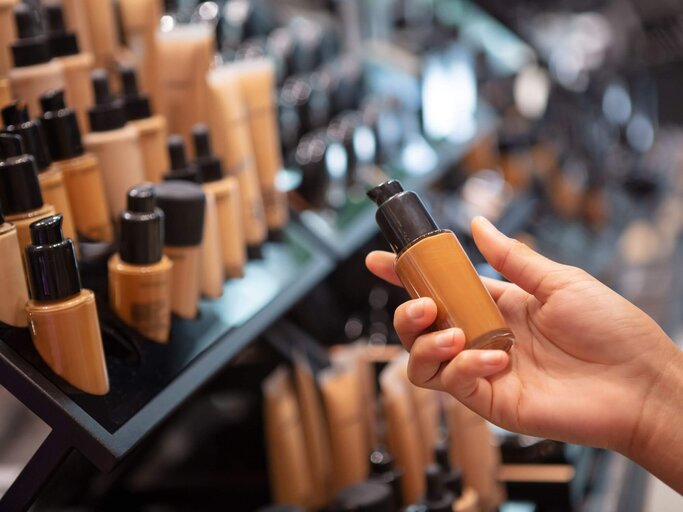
257 84
151 128
230 128
34 72
15 293
62 316
80 170
115 144
183 205
8 34
102 32
140 274
226 196
431 263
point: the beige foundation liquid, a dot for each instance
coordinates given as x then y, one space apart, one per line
431 263
15 293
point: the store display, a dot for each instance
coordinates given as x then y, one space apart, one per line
12 275
5 93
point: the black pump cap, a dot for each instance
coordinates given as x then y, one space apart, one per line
61 42
208 165
183 206
402 217
310 157
108 113
19 186
180 168
382 469
60 126
451 476
136 104
51 261
437 499
17 120
142 227
364 497
31 46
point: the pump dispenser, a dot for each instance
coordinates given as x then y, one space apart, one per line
180 169
452 477
437 499
152 129
140 274
115 144
382 469
14 293
430 262
33 72
62 315
80 170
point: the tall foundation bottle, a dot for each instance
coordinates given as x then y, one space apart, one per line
34 72
115 144
140 274
14 293
62 315
430 262
183 205
152 129
226 195
80 170
8 34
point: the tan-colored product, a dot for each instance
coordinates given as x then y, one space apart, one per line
85 189
468 502
76 18
14 291
66 334
5 94
23 220
185 56
482 154
426 403
29 82
141 296
257 83
185 278
79 93
340 387
8 34
211 274
291 479
120 157
153 133
315 430
102 32
230 130
54 193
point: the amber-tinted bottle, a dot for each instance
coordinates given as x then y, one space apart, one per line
431 263
62 315
14 293
140 274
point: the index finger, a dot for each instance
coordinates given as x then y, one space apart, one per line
381 263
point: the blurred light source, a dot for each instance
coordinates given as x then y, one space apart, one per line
640 133
616 104
531 91
364 144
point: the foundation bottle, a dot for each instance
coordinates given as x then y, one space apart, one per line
62 316
115 144
15 293
140 274
80 170
183 205
382 469
226 195
257 83
151 128
19 188
437 497
7 34
34 72
431 263
76 65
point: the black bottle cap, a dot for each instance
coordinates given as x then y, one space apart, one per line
31 46
142 227
382 469
402 217
208 165
437 499
136 104
17 120
19 186
364 497
183 206
180 170
296 94
348 84
310 157
60 126
108 113
61 42
51 261
451 476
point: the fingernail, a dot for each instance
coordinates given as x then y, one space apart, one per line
445 339
486 223
416 310
492 358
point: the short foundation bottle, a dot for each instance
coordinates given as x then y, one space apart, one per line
76 65
34 71
80 170
152 129
140 274
430 262
183 205
226 195
62 316
14 293
115 144
8 34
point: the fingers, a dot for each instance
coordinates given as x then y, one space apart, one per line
412 318
429 352
495 287
381 263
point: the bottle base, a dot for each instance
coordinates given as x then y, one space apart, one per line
500 339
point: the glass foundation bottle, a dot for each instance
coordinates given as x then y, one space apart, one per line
430 262
80 170
62 315
14 293
140 274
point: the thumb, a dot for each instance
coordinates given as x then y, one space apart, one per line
532 272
